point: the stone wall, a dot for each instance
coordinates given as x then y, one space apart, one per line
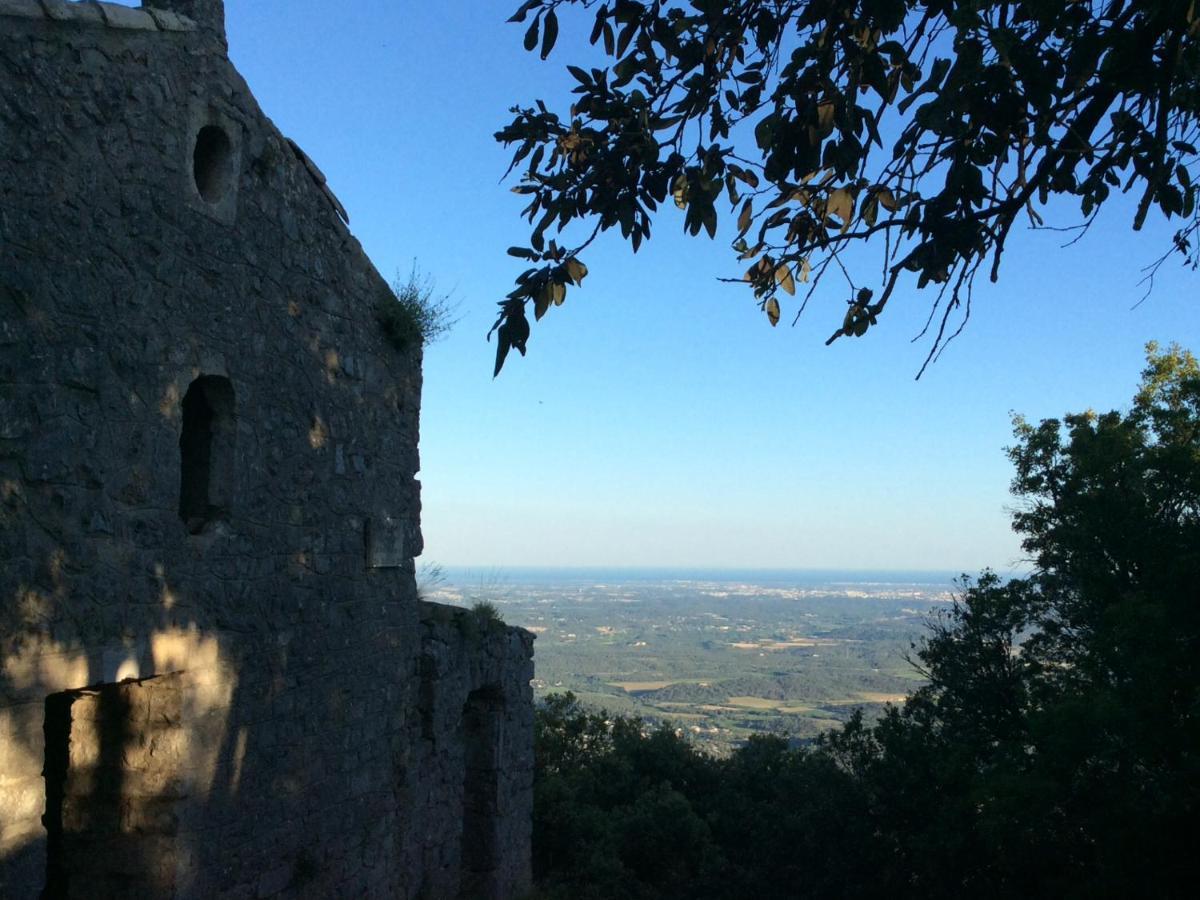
475 706
208 453
113 755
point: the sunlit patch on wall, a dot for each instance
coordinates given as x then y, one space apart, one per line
168 406
112 779
318 434
211 681
166 595
128 669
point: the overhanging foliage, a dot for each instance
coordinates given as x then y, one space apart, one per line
782 112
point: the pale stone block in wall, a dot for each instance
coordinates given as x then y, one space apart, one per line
170 21
385 543
69 11
127 17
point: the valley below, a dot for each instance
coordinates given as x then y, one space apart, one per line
718 655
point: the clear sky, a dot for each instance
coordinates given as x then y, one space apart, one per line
658 420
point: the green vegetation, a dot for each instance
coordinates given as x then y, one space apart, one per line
411 314
923 129
1053 752
479 621
690 650
485 612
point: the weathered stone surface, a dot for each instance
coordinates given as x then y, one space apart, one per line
200 670
476 715
29 9
385 542
209 15
127 17
71 11
170 21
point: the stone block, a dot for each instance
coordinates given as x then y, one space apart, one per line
171 21
26 9
127 17
385 543
67 11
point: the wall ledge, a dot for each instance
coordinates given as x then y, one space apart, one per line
93 12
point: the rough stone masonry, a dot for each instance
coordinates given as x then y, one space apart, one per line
216 679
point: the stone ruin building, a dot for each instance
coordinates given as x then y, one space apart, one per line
216 677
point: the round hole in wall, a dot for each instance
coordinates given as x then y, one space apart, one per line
212 163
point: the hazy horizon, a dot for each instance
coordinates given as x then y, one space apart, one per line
502 576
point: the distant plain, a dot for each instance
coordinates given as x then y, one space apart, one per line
719 654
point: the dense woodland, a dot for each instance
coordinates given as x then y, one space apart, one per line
1053 752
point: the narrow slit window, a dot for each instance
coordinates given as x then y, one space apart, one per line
206 452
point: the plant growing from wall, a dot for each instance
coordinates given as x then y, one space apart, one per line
486 613
480 620
412 313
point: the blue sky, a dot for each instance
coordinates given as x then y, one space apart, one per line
658 420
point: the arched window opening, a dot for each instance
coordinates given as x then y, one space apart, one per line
212 163
206 452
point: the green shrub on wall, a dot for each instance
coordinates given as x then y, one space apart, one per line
412 314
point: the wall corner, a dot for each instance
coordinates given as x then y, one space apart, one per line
209 15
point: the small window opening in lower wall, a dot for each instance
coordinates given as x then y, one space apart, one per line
206 452
482 727
112 786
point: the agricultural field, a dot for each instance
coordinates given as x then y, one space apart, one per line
718 655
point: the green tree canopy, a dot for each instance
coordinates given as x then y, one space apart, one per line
1053 752
925 126
1056 748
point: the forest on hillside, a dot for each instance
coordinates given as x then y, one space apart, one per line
1054 750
